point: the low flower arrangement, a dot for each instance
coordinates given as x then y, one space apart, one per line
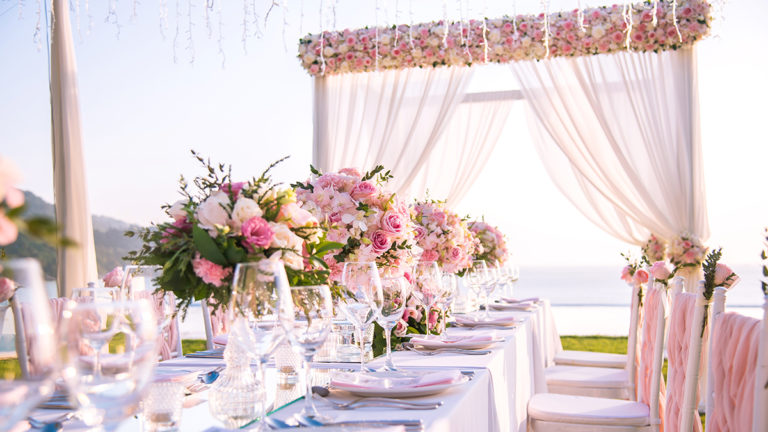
444 237
369 223
644 27
662 272
686 251
223 223
493 246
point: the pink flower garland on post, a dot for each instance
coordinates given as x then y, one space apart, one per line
600 30
444 237
493 246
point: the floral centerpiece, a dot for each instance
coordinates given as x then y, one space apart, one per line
686 251
655 249
493 246
370 223
633 273
223 223
444 237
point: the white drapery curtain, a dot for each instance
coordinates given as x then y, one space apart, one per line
464 148
76 265
619 135
393 118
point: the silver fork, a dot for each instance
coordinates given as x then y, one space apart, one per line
384 403
445 350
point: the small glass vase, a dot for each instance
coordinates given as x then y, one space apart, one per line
287 363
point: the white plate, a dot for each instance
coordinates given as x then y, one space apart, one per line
458 344
513 306
401 392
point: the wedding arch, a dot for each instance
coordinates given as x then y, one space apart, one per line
611 92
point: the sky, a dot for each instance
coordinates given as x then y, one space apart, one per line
142 112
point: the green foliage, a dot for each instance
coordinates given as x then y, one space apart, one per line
710 267
764 256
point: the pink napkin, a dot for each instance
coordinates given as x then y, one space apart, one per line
452 340
525 300
175 375
372 381
220 339
500 321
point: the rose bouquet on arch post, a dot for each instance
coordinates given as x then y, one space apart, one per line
493 245
687 254
371 223
221 223
444 237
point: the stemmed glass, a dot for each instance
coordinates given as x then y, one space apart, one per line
307 328
447 294
478 278
260 294
361 299
36 335
395 292
110 356
426 286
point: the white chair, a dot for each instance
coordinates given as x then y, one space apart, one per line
170 339
609 360
214 322
548 412
738 371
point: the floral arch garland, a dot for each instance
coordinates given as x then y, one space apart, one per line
649 26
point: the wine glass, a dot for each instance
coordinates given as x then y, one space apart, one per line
426 286
449 290
110 356
477 278
95 294
35 335
307 328
260 294
361 299
395 292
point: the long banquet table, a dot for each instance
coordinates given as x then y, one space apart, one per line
494 399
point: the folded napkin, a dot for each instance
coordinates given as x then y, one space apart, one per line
220 339
523 306
452 340
182 376
525 300
497 321
394 381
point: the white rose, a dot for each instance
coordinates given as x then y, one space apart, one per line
176 211
328 51
211 213
598 32
284 237
293 260
494 35
245 208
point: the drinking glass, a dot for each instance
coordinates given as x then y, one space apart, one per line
95 294
477 279
307 328
110 356
260 294
395 292
494 279
361 299
448 292
137 279
426 286
37 336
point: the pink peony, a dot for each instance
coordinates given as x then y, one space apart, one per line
114 279
7 287
363 190
257 234
14 197
351 172
430 255
641 276
724 276
209 272
626 274
393 222
419 233
455 255
380 242
661 270
412 312
232 188
297 215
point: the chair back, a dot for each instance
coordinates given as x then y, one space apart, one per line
170 339
737 398
684 349
635 321
214 321
651 388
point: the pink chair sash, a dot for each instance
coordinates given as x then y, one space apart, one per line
170 337
652 309
678 347
218 320
736 340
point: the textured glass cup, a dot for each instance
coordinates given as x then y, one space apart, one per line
162 407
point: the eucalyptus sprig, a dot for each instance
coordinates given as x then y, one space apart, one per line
710 268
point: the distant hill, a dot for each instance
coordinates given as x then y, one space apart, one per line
111 244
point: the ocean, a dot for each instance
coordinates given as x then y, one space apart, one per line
585 300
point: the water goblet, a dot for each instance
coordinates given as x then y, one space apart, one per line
477 279
22 288
449 291
395 292
110 356
426 286
361 299
307 328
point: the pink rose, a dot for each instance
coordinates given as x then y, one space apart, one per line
257 234
380 242
626 275
14 197
393 222
351 172
410 312
724 276
401 328
210 272
297 215
661 270
430 255
232 188
455 255
690 257
8 230
438 217
114 278
7 287
641 277
363 190
419 233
